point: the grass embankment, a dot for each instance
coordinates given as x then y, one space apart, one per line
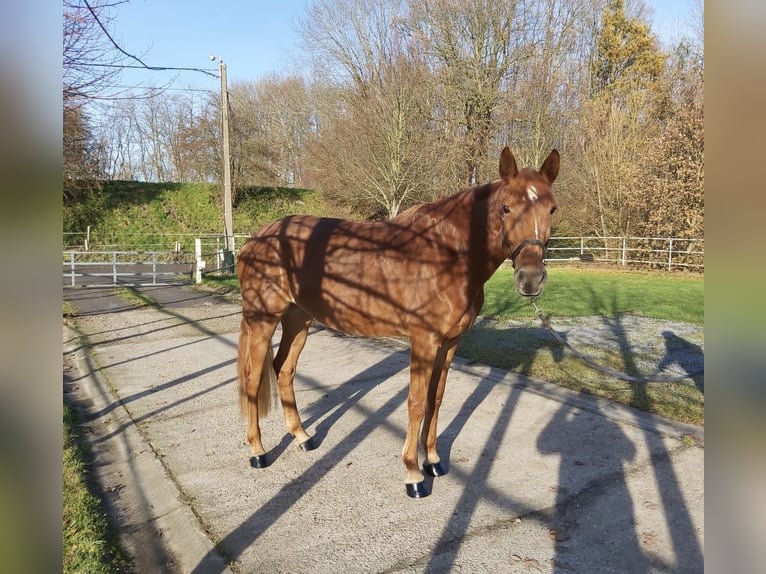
512 338
88 545
140 215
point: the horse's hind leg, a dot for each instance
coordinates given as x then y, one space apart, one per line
432 464
295 326
254 366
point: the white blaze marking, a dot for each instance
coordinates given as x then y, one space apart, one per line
532 193
537 236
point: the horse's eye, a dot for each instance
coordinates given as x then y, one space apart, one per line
506 210
553 210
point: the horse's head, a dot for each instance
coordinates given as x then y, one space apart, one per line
525 207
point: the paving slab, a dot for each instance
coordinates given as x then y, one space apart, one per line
539 479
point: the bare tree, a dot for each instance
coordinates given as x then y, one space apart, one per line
271 120
538 99
88 72
90 61
374 146
474 49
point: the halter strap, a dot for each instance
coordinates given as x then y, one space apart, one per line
524 244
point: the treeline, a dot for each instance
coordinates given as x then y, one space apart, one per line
406 101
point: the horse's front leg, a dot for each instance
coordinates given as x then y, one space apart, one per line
432 464
422 355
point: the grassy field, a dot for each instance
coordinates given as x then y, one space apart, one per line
509 336
586 292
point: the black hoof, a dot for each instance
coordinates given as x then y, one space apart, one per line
435 469
258 461
307 445
417 489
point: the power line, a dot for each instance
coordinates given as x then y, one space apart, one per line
97 65
131 56
158 89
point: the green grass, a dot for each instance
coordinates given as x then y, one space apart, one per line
88 545
586 292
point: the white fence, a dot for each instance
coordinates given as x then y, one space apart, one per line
646 252
195 256
126 268
652 252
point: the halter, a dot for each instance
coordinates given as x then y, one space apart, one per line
521 245
524 244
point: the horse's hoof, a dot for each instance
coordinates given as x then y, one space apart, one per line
258 461
307 445
435 469
417 489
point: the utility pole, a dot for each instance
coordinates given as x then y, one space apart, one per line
228 222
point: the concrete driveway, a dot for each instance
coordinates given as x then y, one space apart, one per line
539 479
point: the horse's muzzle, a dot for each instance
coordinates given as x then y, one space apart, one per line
530 280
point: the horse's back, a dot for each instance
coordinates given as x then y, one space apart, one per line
368 278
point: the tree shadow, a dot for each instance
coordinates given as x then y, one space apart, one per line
521 345
340 400
238 540
475 490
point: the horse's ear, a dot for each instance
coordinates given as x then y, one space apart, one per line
508 167
550 167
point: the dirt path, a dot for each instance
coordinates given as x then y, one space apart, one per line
547 479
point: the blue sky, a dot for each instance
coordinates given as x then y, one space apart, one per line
254 37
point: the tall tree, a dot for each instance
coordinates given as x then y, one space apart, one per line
628 58
618 123
271 120
538 99
674 202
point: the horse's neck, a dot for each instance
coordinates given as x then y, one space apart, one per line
478 220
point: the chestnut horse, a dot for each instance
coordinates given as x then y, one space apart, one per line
419 275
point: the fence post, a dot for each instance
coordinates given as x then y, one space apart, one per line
670 253
154 267
114 268
71 256
199 264
624 251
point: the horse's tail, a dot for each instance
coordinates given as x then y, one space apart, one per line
244 369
